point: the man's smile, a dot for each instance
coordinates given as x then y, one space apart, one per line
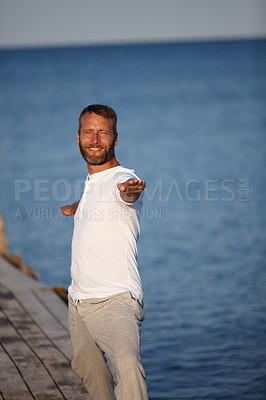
95 148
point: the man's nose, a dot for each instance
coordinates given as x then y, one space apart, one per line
96 138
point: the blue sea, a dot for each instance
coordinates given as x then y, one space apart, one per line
192 123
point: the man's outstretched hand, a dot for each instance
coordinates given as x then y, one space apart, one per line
69 210
131 190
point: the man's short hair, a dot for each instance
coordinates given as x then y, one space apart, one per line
104 111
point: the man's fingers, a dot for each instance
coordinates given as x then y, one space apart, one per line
69 210
132 186
66 210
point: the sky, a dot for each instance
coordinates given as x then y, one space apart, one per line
42 23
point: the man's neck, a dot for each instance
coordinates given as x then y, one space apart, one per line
98 168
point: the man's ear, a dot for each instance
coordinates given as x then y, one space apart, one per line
116 139
78 137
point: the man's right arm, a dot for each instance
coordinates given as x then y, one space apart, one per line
70 210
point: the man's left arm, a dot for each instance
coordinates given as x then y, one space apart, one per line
131 189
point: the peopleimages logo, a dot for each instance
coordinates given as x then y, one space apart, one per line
192 190
41 192
60 190
195 190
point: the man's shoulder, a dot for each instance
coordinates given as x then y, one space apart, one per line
121 172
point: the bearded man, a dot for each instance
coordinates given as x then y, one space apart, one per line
105 294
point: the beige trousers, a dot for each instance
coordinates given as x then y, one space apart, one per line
105 335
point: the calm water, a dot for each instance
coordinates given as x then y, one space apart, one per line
192 122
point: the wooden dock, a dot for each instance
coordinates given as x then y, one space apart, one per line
35 350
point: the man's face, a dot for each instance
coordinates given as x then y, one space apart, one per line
96 139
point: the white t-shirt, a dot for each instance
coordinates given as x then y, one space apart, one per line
104 243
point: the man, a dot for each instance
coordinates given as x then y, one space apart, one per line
105 295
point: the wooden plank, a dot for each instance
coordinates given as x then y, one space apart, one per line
22 317
58 309
30 367
14 279
47 319
38 317
12 385
52 358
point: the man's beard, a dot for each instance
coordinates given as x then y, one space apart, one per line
103 158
